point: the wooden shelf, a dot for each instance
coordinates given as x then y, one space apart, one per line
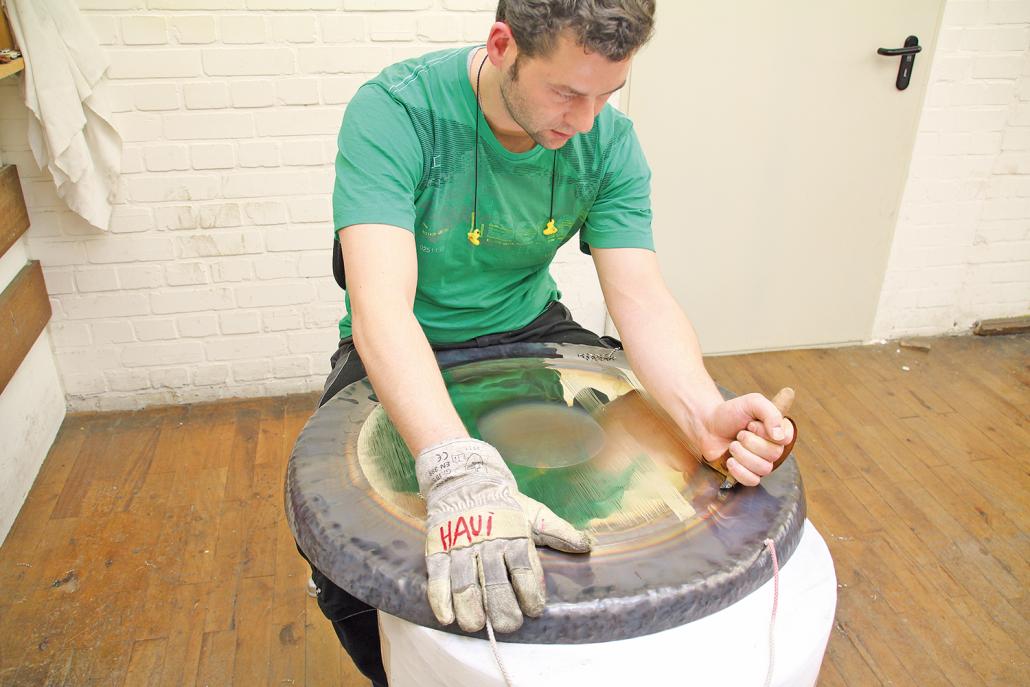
14 218
12 67
24 310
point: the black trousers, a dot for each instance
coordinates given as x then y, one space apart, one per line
356 623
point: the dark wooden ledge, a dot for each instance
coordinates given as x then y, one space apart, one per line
14 218
24 312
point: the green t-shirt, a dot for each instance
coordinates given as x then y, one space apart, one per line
406 158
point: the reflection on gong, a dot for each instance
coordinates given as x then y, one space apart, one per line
578 435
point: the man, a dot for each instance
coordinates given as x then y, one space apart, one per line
459 175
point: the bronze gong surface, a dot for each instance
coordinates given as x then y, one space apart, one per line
578 435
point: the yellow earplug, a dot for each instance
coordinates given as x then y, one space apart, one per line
551 229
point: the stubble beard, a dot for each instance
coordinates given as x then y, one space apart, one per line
515 104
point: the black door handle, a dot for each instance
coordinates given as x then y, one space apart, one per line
908 58
892 52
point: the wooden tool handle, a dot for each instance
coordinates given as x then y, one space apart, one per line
783 399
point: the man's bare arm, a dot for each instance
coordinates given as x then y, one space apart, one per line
664 352
659 340
382 273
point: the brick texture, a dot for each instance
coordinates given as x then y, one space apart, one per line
215 278
961 248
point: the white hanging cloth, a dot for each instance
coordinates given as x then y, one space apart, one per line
70 131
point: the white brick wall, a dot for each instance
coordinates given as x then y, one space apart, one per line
961 249
215 280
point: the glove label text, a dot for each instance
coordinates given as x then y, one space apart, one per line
467 528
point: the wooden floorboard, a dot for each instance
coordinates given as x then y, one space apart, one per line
153 549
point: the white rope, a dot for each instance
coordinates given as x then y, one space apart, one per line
769 544
490 627
497 653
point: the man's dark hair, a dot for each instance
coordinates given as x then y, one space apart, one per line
612 28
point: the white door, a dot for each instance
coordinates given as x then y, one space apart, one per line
779 146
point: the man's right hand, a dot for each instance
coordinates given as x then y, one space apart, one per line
481 535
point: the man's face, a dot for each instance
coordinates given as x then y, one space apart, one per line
553 97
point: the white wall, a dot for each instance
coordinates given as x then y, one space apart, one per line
215 279
31 410
961 249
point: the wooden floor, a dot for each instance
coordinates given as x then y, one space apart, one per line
152 549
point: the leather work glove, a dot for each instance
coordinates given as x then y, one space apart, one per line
480 537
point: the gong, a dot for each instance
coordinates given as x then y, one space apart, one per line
578 435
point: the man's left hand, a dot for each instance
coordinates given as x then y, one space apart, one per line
753 430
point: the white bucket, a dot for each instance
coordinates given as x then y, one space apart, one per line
727 648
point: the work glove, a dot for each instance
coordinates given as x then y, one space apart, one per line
480 535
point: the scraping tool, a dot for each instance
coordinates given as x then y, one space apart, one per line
783 399
640 412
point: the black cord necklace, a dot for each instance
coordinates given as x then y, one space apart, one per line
476 233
